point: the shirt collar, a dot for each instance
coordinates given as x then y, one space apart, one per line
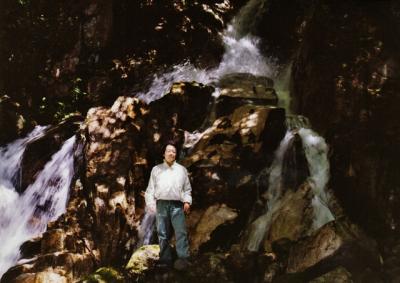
167 166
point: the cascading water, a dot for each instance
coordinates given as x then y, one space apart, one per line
260 226
242 55
25 216
316 151
10 158
145 230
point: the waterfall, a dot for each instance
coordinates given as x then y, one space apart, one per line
316 151
145 230
25 216
260 226
11 156
242 55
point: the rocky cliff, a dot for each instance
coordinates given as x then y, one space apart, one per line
93 57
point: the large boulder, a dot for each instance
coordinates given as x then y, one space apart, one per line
337 243
213 217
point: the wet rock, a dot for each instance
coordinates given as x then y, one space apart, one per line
295 169
31 248
293 219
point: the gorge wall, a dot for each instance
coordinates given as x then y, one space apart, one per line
93 57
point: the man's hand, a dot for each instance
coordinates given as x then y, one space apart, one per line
186 207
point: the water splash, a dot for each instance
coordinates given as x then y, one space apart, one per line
161 84
242 55
25 216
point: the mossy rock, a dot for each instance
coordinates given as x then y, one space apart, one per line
143 258
104 275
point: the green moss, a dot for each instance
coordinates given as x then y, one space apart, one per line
142 258
104 275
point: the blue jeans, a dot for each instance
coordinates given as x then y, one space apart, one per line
170 213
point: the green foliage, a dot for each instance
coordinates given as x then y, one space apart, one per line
62 108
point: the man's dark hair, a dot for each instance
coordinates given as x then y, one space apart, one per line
173 143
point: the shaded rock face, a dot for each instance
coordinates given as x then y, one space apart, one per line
213 217
90 53
353 103
337 244
292 19
293 220
12 123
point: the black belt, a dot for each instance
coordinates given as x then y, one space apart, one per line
170 201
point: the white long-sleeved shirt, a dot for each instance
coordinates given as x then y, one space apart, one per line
168 183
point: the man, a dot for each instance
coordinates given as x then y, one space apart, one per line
169 195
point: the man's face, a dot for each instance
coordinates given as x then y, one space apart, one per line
170 154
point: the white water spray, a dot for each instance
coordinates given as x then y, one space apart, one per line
25 216
242 55
11 156
316 151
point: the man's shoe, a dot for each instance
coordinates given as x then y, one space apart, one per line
181 264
